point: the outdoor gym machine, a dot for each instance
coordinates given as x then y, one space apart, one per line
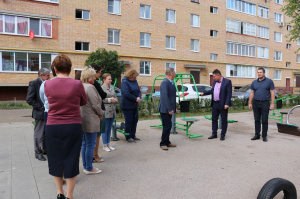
278 103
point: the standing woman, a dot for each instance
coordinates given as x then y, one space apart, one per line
131 97
64 130
110 110
91 114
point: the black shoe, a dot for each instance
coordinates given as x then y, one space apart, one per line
265 139
138 139
40 157
130 140
212 137
256 137
44 152
60 196
222 138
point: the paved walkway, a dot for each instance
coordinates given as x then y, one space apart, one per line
197 168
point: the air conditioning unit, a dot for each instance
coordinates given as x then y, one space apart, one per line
281 24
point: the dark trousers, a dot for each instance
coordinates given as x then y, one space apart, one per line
261 114
217 109
131 120
167 125
39 137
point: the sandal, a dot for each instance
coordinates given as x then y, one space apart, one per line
97 159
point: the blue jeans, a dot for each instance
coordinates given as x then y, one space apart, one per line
106 136
87 150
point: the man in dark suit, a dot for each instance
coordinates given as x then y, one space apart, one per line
221 100
33 99
167 107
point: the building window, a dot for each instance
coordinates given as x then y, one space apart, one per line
240 27
171 65
25 61
278 17
82 14
195 45
145 39
145 67
277 74
288 46
195 20
213 33
278 2
233 48
49 1
277 55
113 36
145 11
288 64
170 16
262 52
298 58
195 1
18 25
82 46
240 71
263 12
277 37
298 41
170 42
114 7
241 6
213 10
288 27
213 57
263 32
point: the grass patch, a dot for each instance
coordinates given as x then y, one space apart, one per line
14 105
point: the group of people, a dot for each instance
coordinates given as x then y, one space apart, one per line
70 115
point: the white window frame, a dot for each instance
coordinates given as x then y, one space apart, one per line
82 46
279 33
214 33
288 46
193 24
168 15
265 10
241 6
213 57
171 63
53 55
275 75
250 70
145 34
144 14
298 41
170 39
240 49
214 10
144 63
288 64
262 32
48 1
82 14
114 30
235 26
298 58
196 46
288 28
264 50
276 19
113 12
278 2
276 53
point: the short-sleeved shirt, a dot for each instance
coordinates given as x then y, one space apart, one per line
262 89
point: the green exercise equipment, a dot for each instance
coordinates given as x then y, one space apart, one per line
278 115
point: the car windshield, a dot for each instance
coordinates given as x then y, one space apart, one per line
184 88
201 88
244 89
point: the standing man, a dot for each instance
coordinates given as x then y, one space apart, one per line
221 100
262 90
34 100
167 107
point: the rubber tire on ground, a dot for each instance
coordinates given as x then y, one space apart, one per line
274 186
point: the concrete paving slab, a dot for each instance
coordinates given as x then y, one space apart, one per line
5 192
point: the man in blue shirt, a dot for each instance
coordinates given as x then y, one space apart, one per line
262 91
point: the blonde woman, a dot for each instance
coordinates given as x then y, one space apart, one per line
131 98
110 110
91 114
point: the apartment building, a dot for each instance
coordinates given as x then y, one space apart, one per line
192 36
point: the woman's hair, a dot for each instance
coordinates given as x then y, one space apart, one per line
62 63
87 74
132 73
96 67
78 74
105 75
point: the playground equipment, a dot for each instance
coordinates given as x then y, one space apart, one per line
184 105
288 128
277 115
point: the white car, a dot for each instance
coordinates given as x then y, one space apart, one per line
190 91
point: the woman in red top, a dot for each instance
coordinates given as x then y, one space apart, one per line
64 130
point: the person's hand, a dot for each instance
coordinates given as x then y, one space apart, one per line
138 100
171 113
226 107
250 106
114 100
201 94
272 106
101 118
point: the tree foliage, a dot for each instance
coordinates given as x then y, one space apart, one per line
109 60
292 10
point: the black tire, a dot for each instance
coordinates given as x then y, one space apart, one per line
276 185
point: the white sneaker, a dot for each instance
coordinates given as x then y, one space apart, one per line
91 173
106 149
112 148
